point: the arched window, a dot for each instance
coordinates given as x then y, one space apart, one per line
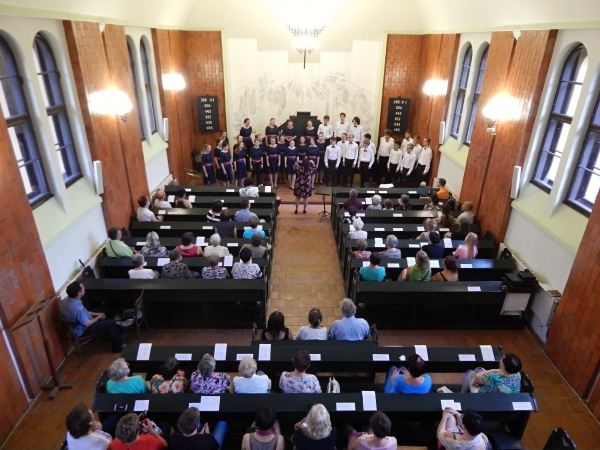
567 95
586 179
462 91
135 89
146 72
481 73
49 78
20 128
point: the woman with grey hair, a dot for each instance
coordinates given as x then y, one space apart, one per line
349 328
153 247
139 272
375 202
250 382
316 427
214 271
121 383
206 381
258 250
128 433
430 225
357 233
391 243
215 247
421 271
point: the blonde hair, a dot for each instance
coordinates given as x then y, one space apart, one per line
318 422
422 260
471 244
247 367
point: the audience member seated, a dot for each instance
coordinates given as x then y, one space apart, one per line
357 233
316 431
504 380
450 272
314 331
462 433
353 201
352 212
215 247
445 219
467 213
175 269
153 247
253 222
258 250
391 251
206 381
121 383
170 380
469 249
181 201
421 271
362 252
246 269
443 193
159 200
388 205
192 435
267 435
213 271
89 322
376 438
129 434
433 203
413 380
433 249
375 203
244 214
430 225
248 381
298 381
463 229
276 329
83 432
249 190
214 213
226 228
188 247
115 247
403 203
349 328
143 213
372 272
139 272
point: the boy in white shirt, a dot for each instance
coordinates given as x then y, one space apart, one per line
325 128
393 165
341 127
407 140
350 160
386 144
357 130
408 162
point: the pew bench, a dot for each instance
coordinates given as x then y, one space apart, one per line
220 191
199 214
200 228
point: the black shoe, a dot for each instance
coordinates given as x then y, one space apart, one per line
304 212
296 212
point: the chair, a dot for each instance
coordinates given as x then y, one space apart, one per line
559 440
526 383
194 176
140 318
68 329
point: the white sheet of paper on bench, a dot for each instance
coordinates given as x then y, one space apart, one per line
194 405
466 358
397 214
410 261
434 264
447 243
228 261
421 350
422 244
444 229
360 214
140 244
188 190
171 198
232 244
220 352
370 192
141 405
448 403
183 356
200 240
487 353
381 357
414 246
206 227
267 188
264 352
145 263
210 403
346 214
466 266
412 192
369 201
366 263
473 289
457 406
251 201
192 198
162 211
165 227
420 228
229 190
379 242
398 229
143 353
369 401
393 265
522 406
241 356
379 229
162 261
383 192
315 356
345 406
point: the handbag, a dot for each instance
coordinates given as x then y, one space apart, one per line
333 387
474 388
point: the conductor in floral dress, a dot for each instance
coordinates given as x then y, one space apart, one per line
303 188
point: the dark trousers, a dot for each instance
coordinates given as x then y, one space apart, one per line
406 177
331 172
419 173
257 172
110 330
382 166
392 175
364 173
348 172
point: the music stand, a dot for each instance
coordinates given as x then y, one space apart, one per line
32 313
325 192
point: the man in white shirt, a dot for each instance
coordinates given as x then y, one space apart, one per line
343 145
341 127
350 157
332 162
325 128
393 165
143 213
408 163
386 144
159 200
367 158
357 130
407 140
418 148
424 160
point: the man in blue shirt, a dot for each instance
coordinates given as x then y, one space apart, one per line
349 328
244 214
72 310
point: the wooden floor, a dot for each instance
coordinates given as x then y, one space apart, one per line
306 275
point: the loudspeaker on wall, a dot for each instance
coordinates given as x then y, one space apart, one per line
98 181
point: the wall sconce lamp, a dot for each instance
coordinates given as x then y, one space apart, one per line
435 87
111 101
173 82
503 107
305 40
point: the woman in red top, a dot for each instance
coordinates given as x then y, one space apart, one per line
188 247
128 435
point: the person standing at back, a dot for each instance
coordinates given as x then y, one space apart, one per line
386 144
341 127
424 161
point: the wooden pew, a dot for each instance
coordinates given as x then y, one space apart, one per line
171 242
176 229
230 191
199 214
206 201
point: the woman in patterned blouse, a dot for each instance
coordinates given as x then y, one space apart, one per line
213 271
170 380
176 269
206 381
504 380
298 381
245 269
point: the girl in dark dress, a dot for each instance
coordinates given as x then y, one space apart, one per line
310 131
322 144
289 132
282 146
302 146
223 138
290 161
303 189
207 166
246 133
226 165
218 172
273 161
239 165
271 131
313 154
257 161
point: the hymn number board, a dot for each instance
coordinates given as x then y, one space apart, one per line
208 113
397 119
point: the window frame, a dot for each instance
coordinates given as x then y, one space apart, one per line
461 94
476 95
133 70
144 58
